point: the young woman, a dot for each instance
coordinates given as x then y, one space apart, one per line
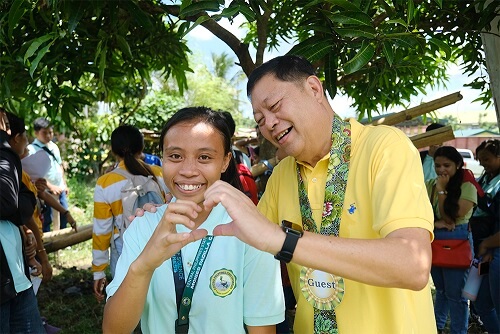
234 284
453 198
485 225
127 144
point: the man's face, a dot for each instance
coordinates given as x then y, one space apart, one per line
290 115
433 148
44 135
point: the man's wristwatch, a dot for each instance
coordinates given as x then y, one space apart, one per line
293 233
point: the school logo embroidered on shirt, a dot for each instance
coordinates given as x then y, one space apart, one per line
222 282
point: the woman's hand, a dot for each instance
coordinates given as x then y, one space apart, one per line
443 224
442 182
165 241
99 285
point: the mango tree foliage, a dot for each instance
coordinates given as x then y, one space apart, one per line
67 54
379 52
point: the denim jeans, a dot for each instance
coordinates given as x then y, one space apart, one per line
449 283
21 315
488 298
47 216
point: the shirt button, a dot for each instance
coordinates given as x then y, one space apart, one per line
314 180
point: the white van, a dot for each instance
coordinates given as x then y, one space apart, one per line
470 162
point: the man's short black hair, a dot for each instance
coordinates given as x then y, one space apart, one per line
41 123
433 126
285 68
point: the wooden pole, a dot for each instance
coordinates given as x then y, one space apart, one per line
63 238
424 108
437 136
259 168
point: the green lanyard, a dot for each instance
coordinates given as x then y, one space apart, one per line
184 290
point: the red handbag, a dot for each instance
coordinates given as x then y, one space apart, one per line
451 253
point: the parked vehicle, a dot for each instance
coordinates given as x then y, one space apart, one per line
470 162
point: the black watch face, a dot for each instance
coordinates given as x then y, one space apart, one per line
290 227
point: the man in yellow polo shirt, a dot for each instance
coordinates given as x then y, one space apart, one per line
356 220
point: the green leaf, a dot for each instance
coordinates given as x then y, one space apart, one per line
397 21
247 12
388 52
350 17
16 12
199 7
137 13
196 23
76 14
440 3
331 63
66 110
344 4
359 31
313 48
411 11
442 46
102 63
124 46
362 58
39 57
35 44
229 12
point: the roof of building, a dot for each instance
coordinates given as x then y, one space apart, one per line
475 133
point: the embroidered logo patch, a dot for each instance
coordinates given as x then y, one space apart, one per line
351 209
223 282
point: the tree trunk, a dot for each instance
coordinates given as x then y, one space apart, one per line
491 44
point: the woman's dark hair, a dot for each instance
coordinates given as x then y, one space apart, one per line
16 125
219 122
284 68
126 142
491 145
453 188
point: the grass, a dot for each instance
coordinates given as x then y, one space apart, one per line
67 301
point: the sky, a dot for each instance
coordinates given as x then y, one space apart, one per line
203 44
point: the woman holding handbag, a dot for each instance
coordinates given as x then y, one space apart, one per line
453 196
485 226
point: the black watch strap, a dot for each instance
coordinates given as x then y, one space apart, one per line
291 239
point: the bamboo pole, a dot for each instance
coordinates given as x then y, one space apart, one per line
65 237
424 108
259 168
437 136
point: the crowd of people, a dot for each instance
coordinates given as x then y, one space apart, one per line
350 213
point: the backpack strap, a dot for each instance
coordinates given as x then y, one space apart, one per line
46 149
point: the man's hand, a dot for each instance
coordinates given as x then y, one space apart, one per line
149 207
248 224
55 189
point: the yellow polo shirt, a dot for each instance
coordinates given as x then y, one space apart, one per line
385 192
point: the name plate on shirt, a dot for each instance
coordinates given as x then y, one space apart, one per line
324 291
